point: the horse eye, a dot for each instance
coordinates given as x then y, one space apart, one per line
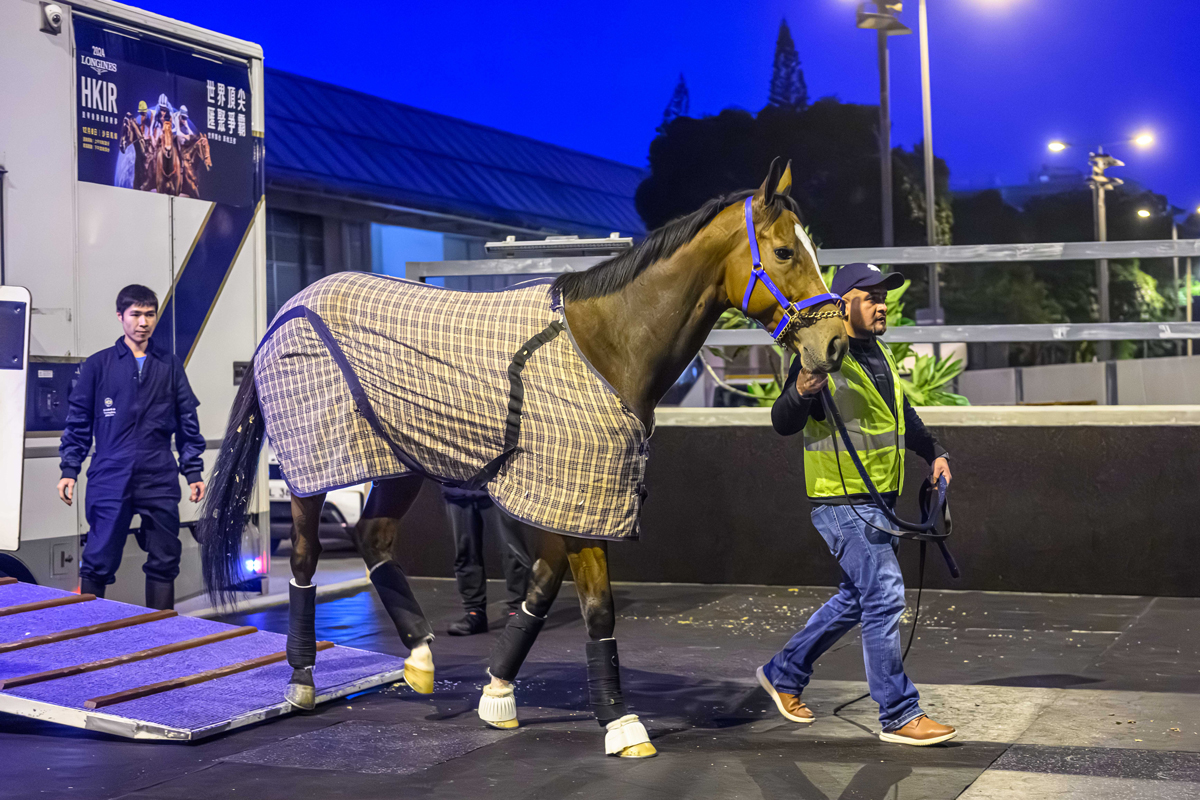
784 253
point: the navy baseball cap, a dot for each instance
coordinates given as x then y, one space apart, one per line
864 276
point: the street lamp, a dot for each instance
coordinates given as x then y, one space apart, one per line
883 21
1101 184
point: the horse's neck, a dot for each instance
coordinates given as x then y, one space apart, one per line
642 337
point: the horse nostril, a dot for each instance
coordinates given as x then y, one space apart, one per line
836 349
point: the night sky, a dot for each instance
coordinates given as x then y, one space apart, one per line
1008 75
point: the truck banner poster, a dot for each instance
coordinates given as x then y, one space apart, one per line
158 118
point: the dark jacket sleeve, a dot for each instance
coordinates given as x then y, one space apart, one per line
918 438
77 435
790 412
188 440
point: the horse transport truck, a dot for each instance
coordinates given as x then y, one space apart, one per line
131 151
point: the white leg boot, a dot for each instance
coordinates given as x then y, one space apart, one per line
498 707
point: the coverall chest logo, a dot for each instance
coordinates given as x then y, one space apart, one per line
109 411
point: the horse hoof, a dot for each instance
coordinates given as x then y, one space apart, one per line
498 707
627 738
419 680
301 696
644 750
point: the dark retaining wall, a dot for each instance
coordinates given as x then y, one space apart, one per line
1105 510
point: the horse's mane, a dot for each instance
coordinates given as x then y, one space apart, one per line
619 271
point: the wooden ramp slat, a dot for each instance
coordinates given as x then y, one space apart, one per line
140 655
71 599
190 680
87 630
6 581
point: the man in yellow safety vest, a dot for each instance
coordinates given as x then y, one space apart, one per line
881 425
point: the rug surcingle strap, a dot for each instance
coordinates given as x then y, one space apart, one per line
516 401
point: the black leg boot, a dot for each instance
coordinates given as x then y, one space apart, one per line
626 736
415 631
514 644
302 645
498 705
159 595
93 587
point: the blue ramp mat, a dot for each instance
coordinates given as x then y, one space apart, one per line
186 713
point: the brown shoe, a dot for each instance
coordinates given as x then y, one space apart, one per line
788 704
921 732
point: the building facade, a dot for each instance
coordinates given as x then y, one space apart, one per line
357 182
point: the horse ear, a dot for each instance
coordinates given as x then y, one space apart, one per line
785 180
766 192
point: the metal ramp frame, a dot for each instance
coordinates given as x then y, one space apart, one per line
128 671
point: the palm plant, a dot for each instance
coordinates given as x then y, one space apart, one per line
923 386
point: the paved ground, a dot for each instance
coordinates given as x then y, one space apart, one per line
1055 697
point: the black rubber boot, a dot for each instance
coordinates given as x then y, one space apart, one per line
514 644
604 681
474 622
89 586
160 596
401 605
302 645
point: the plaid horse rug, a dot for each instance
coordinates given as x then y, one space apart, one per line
364 377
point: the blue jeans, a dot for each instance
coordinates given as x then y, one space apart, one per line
871 592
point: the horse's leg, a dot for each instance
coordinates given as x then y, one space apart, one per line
626 736
374 536
497 705
302 600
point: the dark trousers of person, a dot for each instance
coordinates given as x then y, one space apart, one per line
108 520
468 520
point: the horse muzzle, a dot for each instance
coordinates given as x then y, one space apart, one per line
818 353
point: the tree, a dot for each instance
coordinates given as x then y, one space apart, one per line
679 104
788 89
834 150
1041 292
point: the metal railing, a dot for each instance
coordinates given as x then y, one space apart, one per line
948 255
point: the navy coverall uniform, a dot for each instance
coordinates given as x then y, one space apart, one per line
132 414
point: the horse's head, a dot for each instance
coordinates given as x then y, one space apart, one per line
789 262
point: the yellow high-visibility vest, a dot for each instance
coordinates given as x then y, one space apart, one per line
872 428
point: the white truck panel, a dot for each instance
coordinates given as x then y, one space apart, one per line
37 143
124 238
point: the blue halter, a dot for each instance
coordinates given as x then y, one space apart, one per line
791 311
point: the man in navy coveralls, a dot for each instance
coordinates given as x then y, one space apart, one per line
132 397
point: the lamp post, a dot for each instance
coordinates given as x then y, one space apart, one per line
883 21
1188 292
931 234
1101 184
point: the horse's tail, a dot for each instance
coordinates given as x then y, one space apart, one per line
223 515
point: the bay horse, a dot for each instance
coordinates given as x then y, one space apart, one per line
168 172
638 319
194 151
